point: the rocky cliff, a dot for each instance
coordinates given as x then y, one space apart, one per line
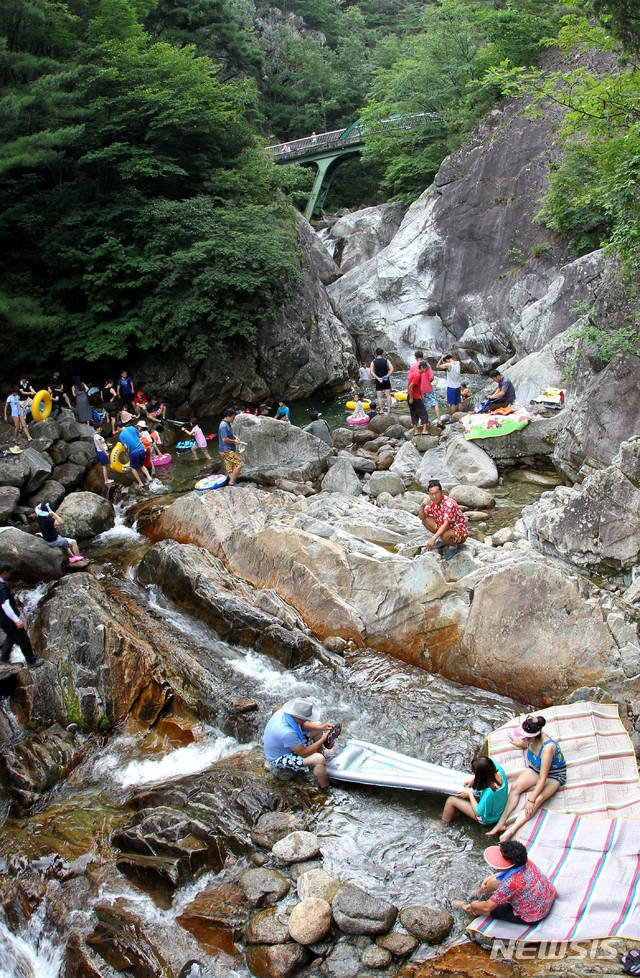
305 348
469 266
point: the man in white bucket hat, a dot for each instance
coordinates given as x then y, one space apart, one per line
294 738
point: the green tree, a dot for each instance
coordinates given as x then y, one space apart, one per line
138 208
442 69
593 198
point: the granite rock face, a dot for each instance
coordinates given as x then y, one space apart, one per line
606 413
277 451
361 235
468 267
595 525
358 571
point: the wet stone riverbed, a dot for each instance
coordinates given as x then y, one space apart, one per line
391 843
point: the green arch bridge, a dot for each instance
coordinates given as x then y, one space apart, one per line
327 150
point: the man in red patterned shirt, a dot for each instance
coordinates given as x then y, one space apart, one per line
443 517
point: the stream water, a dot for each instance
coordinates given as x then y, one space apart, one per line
390 842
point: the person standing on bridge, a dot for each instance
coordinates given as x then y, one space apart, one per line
314 138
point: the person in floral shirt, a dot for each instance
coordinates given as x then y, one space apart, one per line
518 893
443 517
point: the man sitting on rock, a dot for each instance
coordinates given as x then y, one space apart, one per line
319 428
294 737
443 517
504 394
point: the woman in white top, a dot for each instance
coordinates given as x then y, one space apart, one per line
452 366
17 414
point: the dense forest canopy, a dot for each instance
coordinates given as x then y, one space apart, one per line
138 208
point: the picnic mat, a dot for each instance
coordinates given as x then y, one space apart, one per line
594 865
494 425
553 396
602 774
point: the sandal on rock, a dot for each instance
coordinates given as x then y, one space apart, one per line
333 735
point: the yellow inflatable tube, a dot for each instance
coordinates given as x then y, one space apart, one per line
400 396
351 405
117 450
41 406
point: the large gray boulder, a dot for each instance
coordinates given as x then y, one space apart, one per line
33 561
357 912
14 470
69 474
27 471
407 462
51 490
86 514
532 631
9 496
457 461
40 469
472 497
534 444
341 477
604 414
596 525
362 234
279 451
389 482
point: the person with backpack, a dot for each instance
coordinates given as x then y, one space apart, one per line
381 369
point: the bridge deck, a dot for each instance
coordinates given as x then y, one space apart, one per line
344 139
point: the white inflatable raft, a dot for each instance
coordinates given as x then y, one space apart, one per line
365 763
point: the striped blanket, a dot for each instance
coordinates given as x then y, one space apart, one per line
595 867
602 774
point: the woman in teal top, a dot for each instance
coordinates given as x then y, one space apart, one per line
489 782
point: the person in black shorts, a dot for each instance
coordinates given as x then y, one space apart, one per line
381 369
417 407
58 394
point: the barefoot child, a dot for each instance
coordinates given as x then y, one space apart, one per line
197 434
102 451
17 414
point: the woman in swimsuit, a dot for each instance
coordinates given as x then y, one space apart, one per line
546 772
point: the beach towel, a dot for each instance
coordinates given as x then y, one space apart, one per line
602 774
594 865
552 397
494 425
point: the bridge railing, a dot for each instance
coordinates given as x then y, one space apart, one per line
351 136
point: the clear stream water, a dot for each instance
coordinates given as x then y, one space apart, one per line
391 842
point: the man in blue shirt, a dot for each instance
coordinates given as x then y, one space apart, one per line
227 442
129 437
283 413
294 737
504 394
